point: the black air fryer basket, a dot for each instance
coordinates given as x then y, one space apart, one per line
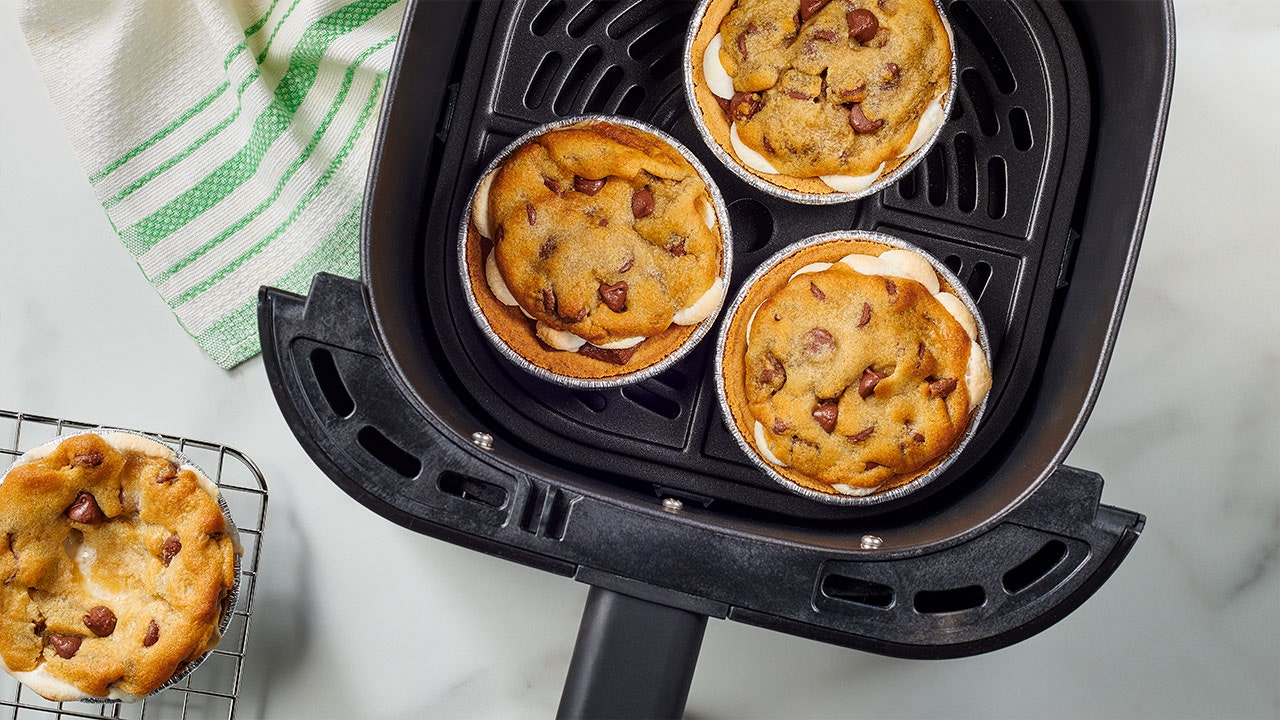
1035 195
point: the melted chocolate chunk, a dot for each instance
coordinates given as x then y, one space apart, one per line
631 261
153 634
554 186
101 621
93 458
642 203
167 474
172 546
531 212
66 646
826 415
774 376
870 378
617 357
547 247
863 24
818 340
861 435
866 314
85 509
817 291
615 295
809 8
743 105
942 388
860 123
587 187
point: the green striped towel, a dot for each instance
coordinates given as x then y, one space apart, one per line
228 140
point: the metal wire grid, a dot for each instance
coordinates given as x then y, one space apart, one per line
210 691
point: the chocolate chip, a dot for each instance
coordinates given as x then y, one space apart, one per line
85 509
532 212
153 634
860 123
172 546
547 247
779 426
870 378
554 186
39 627
603 222
866 314
942 388
743 105
824 35
167 474
808 8
576 317
642 203
764 139
863 24
774 376
920 351
796 95
826 415
101 621
871 465
617 357
893 70
817 291
724 107
615 295
892 288
587 187
861 435
752 28
549 301
742 45
93 458
631 261
499 233
677 250
856 95
66 646
918 437
818 340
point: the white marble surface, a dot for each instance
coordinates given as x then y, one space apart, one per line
359 618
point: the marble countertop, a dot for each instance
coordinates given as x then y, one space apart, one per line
356 617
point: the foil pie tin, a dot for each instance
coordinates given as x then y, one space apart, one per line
757 181
747 444
699 331
228 602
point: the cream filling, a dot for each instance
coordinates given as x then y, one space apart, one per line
844 489
622 344
763 445
558 339
497 285
708 213
702 308
480 206
721 85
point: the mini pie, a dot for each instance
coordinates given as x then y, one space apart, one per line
850 368
117 565
820 97
594 250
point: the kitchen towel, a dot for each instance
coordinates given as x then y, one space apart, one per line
228 140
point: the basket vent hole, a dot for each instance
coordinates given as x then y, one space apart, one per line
908 186
997 187
665 32
978 279
983 110
935 165
674 379
634 16
593 400
966 173
631 101
537 91
547 17
388 453
1020 126
854 590
604 89
957 111
972 26
469 488
953 263
1027 572
588 16
651 401
931 602
330 381
752 223
574 81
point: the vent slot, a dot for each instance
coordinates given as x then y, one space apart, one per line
471 489
953 263
593 400
634 17
609 82
674 379
541 81
663 33
997 187
588 16
983 109
961 14
631 102
1020 126
932 602
651 401
330 381
388 453
935 165
547 17
577 76
978 279
908 186
854 590
752 224
966 173
1034 568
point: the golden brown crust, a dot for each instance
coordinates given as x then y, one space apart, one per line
812 340
156 550
805 80
613 263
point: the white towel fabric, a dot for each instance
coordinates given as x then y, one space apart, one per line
228 140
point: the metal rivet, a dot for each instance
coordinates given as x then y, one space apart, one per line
871 542
482 440
672 504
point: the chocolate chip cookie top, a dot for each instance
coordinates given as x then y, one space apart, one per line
833 87
858 373
116 561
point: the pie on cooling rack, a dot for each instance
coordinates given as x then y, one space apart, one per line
118 566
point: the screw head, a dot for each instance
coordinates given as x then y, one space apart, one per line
482 440
672 504
871 542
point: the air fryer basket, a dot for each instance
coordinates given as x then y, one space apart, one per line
1036 195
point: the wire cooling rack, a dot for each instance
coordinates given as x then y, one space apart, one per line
210 691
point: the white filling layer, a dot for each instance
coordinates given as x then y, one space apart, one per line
752 320
559 339
960 312
749 157
702 308
718 80
763 445
930 120
852 183
622 344
977 376
497 285
480 206
810 268
907 264
844 489
708 213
